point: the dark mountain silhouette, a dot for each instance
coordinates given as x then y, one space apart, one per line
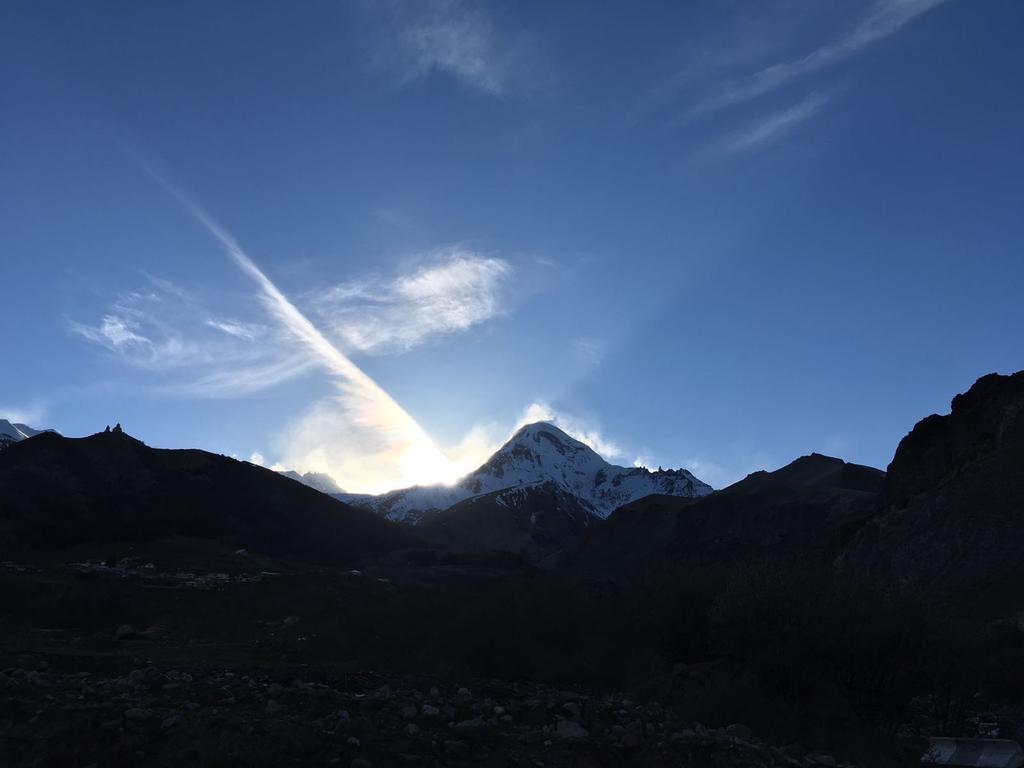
58 491
534 521
804 508
952 511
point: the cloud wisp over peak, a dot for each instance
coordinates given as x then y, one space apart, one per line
573 426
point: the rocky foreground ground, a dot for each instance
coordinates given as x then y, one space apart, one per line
154 715
265 664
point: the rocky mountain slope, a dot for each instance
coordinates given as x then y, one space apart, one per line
110 487
318 480
952 510
538 454
803 509
534 521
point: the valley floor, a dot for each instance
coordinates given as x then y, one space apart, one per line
87 681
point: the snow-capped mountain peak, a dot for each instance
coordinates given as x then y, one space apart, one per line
540 453
11 433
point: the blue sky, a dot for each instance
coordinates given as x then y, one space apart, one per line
370 238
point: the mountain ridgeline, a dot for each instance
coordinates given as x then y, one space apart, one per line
804 510
536 496
11 433
539 454
111 488
948 517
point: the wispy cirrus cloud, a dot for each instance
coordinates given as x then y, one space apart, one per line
456 290
236 328
446 36
116 332
33 414
724 81
167 331
883 19
769 128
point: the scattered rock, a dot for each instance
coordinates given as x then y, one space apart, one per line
465 726
633 733
570 730
274 707
738 731
826 760
457 749
138 713
128 632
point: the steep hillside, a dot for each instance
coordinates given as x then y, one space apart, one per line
534 521
58 491
804 509
952 513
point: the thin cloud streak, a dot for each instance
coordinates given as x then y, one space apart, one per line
770 128
885 19
242 381
235 328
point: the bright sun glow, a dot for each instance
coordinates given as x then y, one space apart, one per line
362 437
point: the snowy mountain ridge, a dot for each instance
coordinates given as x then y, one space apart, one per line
538 453
11 433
